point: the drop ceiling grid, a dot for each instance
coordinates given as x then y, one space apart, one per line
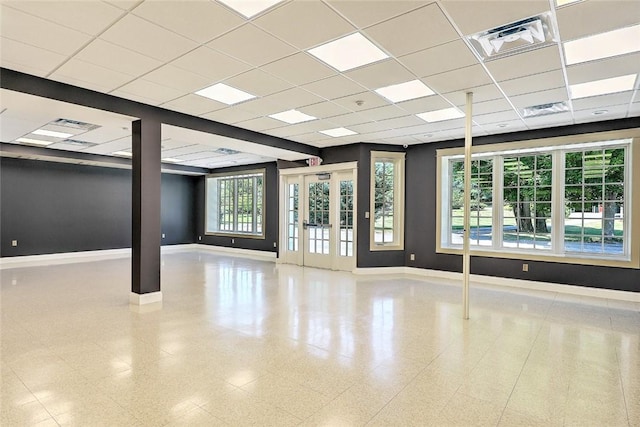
521 77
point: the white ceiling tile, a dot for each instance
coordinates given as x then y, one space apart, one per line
364 13
505 126
543 81
177 78
213 65
306 127
143 89
504 116
347 120
230 115
34 31
585 18
250 44
89 16
368 100
461 79
525 64
334 87
148 39
380 74
21 57
105 134
201 21
473 16
428 103
258 83
417 30
297 23
487 107
299 69
402 122
324 109
552 120
369 127
604 68
379 135
294 98
381 113
613 112
602 101
170 151
480 94
195 105
539 98
262 107
260 124
309 137
124 4
89 76
435 60
111 146
117 58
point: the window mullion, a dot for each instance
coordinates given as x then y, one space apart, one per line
557 202
498 202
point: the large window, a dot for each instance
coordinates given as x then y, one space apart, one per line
568 201
235 204
387 200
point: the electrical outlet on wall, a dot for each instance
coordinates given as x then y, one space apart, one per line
233 240
199 237
275 245
163 235
14 243
412 257
525 267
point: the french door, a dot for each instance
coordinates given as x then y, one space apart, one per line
319 219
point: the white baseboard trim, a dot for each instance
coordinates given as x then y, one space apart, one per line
148 298
506 282
62 258
239 252
82 256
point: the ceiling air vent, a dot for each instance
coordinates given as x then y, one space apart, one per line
517 37
74 124
78 143
226 151
545 109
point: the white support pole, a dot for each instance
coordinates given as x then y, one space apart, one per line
466 258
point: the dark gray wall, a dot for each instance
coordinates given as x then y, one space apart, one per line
270 220
420 221
57 207
362 154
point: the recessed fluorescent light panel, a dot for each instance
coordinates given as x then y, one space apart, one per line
338 132
226 94
603 45
516 37
33 141
405 91
51 133
603 87
441 115
292 117
250 8
171 160
123 153
348 52
563 2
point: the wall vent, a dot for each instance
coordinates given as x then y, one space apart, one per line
516 37
545 109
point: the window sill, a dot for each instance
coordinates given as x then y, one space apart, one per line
234 235
529 256
376 248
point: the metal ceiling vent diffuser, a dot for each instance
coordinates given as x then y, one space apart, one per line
226 151
74 124
516 37
545 109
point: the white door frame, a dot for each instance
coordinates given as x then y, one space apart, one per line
296 176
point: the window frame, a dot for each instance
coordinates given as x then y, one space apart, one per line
398 159
559 146
235 176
